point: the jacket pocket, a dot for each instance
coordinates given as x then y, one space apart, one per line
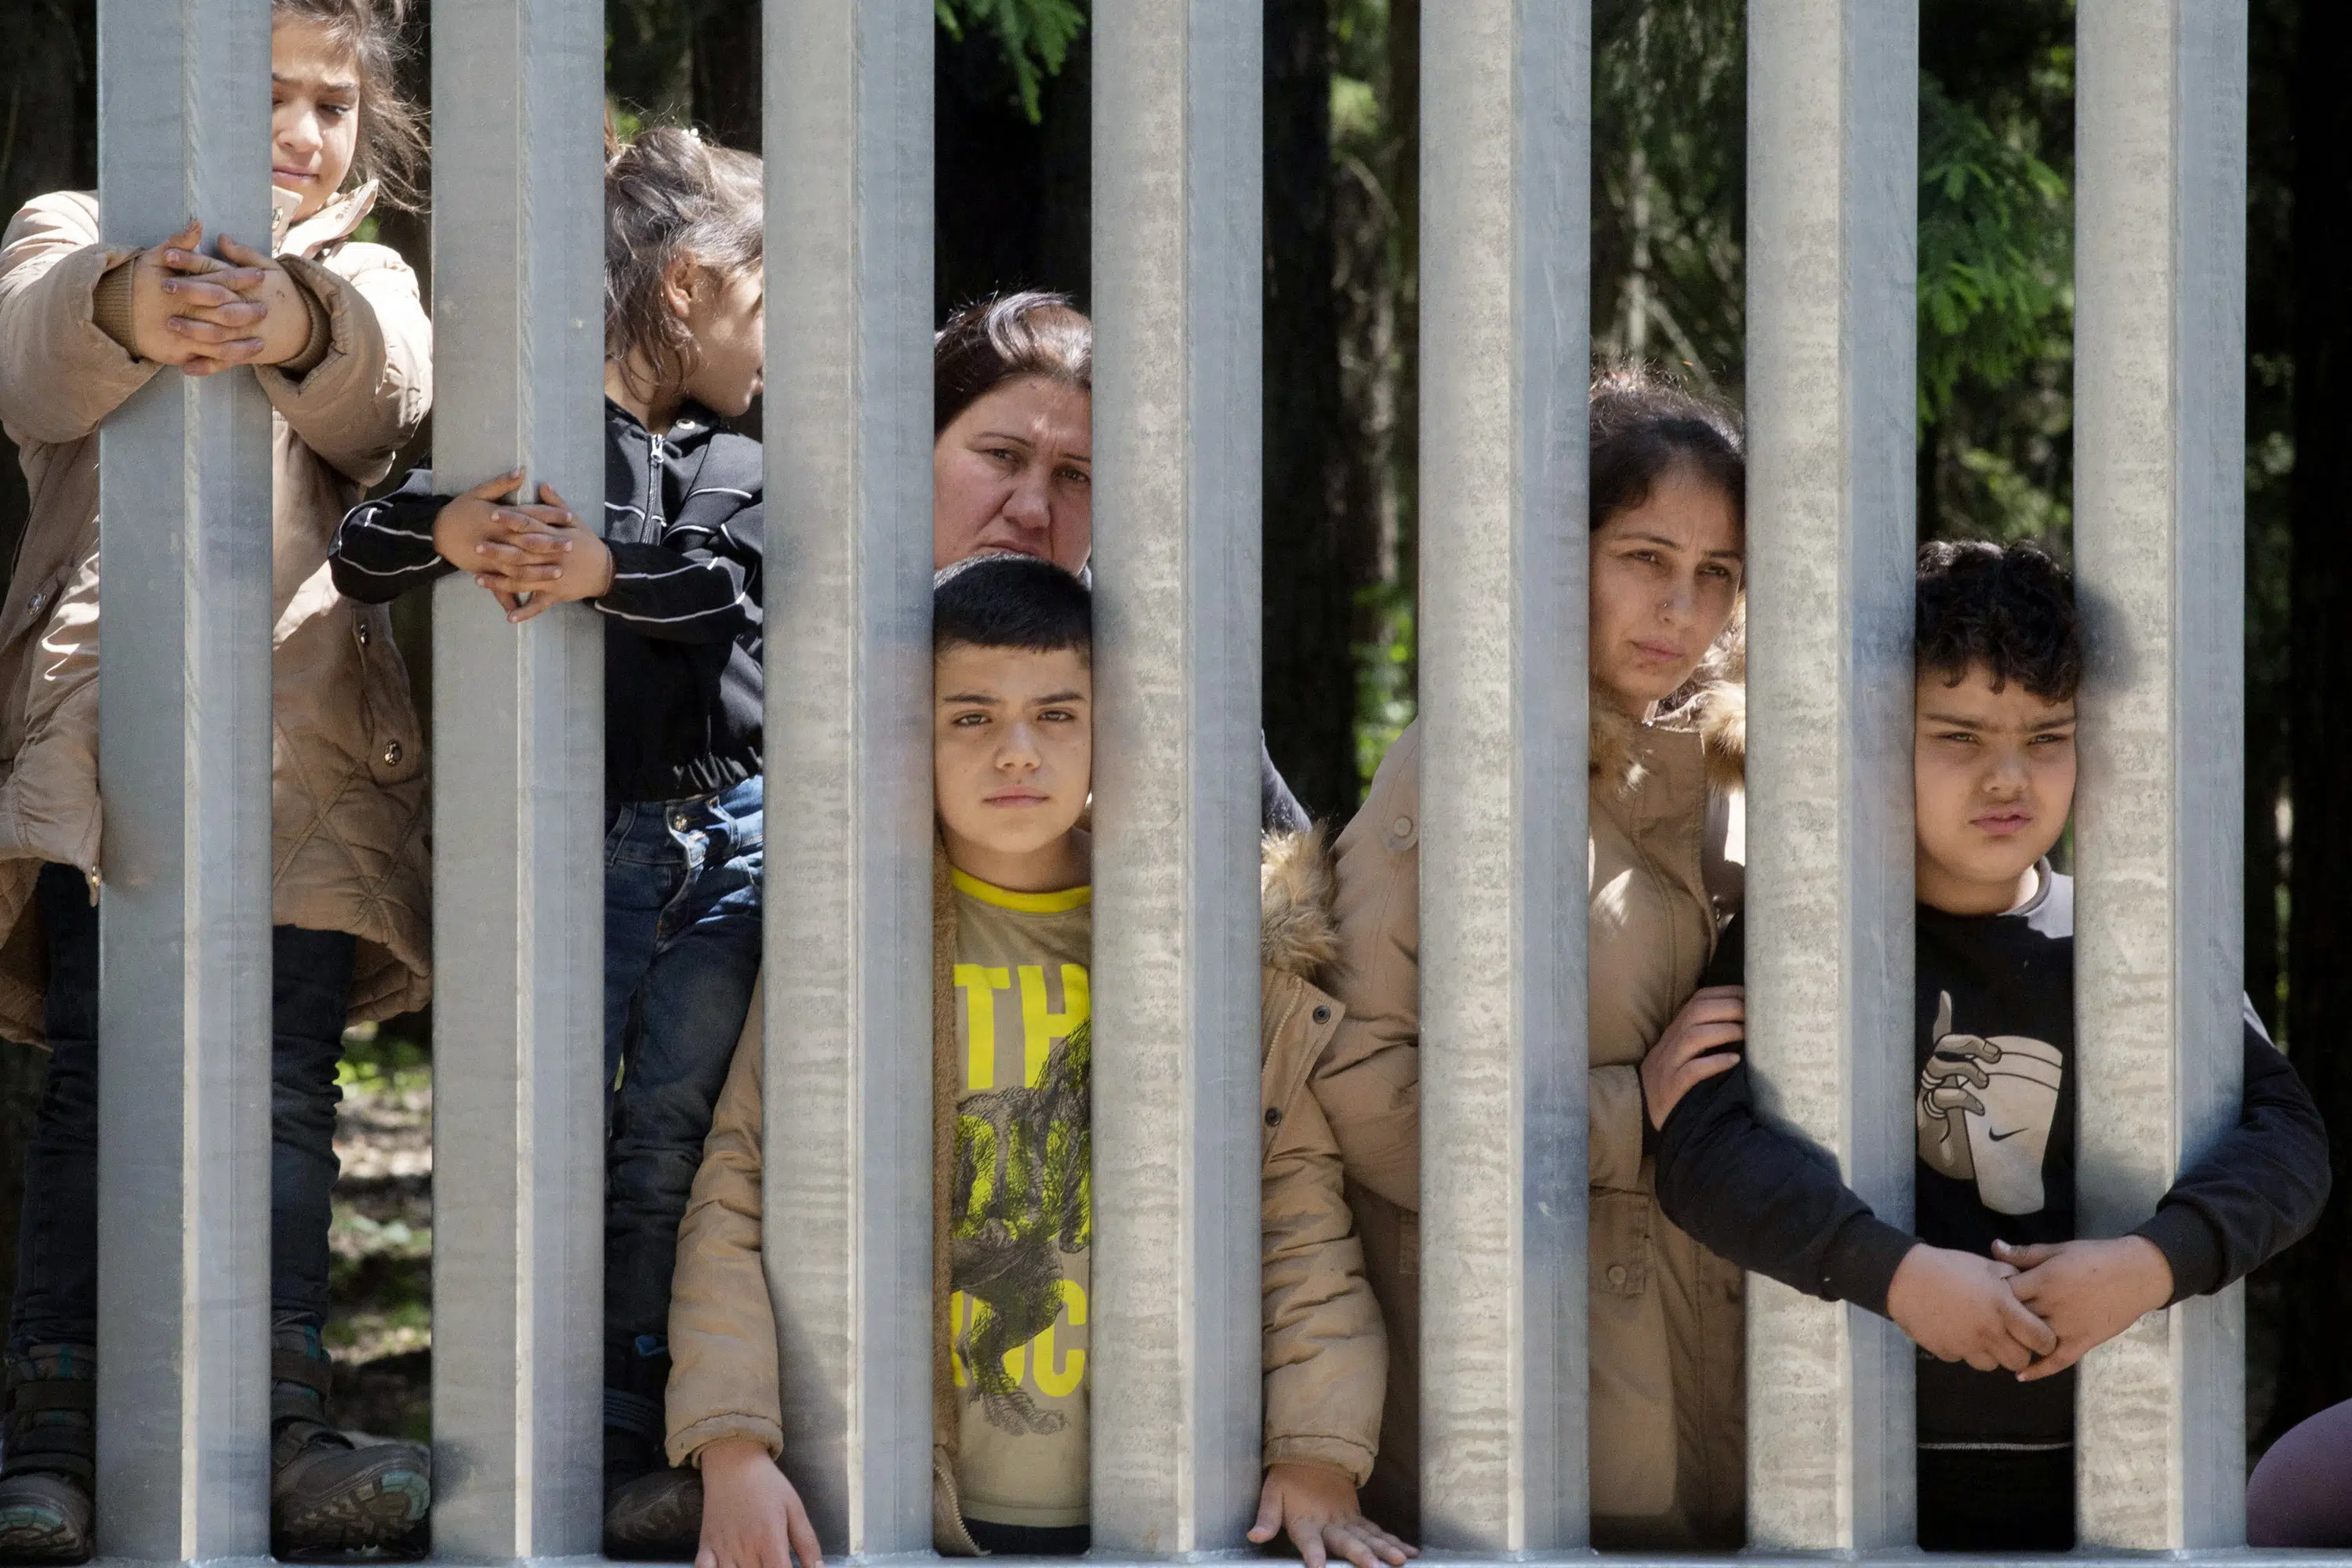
393 743
1632 1411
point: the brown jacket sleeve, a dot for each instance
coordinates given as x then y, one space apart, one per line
1368 1078
1326 1355
60 375
722 1326
360 405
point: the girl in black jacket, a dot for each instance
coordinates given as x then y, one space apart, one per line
676 577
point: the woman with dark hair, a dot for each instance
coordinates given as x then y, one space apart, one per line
1668 729
1011 453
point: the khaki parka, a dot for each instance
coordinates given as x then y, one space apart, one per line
348 800
1667 1402
1324 1354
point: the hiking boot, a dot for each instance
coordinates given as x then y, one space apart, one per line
325 1492
49 1439
657 1516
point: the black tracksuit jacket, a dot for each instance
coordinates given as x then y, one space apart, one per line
1996 1158
683 517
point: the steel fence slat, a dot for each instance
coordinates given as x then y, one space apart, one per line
1832 138
518 796
1178 247
846 1182
185 484
2159 529
1505 255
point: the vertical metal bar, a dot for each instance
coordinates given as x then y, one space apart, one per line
847 1183
518 796
183 988
2159 525
1505 268
1178 249
1832 168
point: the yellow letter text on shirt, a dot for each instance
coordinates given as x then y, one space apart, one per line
1040 1028
980 982
1058 1378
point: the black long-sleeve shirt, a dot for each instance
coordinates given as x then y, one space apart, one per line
1994 1113
683 517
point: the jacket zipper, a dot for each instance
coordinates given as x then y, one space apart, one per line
654 522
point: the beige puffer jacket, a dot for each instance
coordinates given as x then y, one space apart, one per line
1325 1354
348 763
1667 1407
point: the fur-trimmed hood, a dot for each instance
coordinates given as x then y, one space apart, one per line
1717 712
1297 933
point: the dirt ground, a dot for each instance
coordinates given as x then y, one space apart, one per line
381 1333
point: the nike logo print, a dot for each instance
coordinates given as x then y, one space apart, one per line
1997 1137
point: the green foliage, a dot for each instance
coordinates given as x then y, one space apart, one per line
1036 37
1385 700
1669 185
1996 252
394 1057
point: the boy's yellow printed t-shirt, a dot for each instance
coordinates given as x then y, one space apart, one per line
1021 1203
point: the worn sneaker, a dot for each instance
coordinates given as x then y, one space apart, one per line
44 1518
327 1493
657 1516
51 1438
331 1495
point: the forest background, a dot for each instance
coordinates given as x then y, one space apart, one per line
1341 214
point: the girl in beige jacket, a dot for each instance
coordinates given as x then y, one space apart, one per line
332 330
1668 727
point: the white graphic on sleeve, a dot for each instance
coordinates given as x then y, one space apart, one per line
1986 1106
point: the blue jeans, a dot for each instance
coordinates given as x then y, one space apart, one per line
56 1256
681 955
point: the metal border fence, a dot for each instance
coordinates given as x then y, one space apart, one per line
1178 246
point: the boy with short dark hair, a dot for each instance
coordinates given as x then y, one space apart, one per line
1013 941
1995 1277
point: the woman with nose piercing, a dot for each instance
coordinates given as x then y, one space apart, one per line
1668 727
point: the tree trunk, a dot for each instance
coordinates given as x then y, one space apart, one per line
2316 1359
1010 198
726 72
1404 125
1308 619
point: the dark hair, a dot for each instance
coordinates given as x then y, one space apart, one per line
1002 338
1012 602
1646 426
2007 608
391 128
670 196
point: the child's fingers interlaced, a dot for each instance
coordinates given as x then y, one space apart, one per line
497 488
206 299
2089 1290
2024 1332
221 338
1957 1306
527 515
525 556
248 258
